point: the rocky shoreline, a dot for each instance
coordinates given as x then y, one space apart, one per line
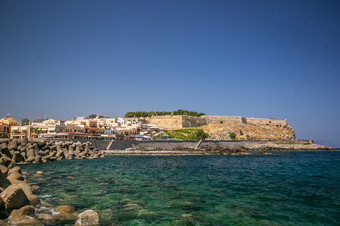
230 148
18 204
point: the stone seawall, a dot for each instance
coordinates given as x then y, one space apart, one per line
167 145
213 144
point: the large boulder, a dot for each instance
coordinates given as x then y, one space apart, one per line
17 157
4 170
14 198
31 153
4 182
12 145
24 216
15 169
5 151
34 200
88 217
5 160
37 159
15 176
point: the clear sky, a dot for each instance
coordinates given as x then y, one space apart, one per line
269 59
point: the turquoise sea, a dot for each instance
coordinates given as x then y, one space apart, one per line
282 188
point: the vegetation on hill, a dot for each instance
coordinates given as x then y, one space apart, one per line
160 113
187 134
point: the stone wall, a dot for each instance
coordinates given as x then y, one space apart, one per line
176 144
167 122
225 119
193 121
265 121
161 144
173 122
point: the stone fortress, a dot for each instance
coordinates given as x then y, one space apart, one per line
219 127
173 122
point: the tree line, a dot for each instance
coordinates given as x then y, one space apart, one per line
139 114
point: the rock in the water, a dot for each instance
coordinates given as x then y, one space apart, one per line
34 200
64 209
38 174
46 218
35 187
23 216
88 217
14 198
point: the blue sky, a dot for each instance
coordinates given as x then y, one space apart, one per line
269 59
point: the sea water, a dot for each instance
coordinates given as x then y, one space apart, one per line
282 188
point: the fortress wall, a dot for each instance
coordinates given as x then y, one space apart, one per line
265 121
225 119
167 122
193 121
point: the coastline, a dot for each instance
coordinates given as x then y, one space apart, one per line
173 148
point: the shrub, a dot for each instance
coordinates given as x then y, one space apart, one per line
241 132
232 136
200 134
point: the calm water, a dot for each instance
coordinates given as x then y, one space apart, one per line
291 188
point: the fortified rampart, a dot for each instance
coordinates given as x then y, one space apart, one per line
224 119
173 122
167 122
265 121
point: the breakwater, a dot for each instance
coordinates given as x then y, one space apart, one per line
190 147
18 203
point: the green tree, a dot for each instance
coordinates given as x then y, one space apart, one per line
91 116
200 134
25 121
232 136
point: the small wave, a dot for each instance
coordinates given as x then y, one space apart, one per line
45 196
